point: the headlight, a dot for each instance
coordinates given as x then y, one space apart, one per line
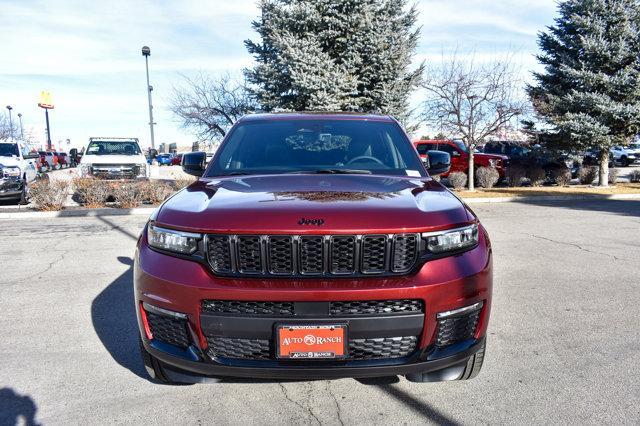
12 171
142 169
451 239
171 240
85 169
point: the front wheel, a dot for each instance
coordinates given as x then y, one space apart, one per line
24 196
624 162
154 367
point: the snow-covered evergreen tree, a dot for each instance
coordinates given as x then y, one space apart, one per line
340 55
589 92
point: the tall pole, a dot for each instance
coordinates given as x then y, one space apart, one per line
21 128
146 52
46 115
10 123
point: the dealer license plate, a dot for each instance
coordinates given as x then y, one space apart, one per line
311 341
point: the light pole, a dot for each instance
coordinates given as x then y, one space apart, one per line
9 107
21 128
146 52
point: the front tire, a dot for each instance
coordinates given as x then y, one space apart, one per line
624 162
154 367
474 364
24 196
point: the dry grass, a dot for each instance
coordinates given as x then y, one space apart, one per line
619 188
49 196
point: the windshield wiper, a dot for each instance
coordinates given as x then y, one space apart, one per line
334 172
236 174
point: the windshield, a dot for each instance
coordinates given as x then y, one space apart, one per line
317 146
113 148
9 149
461 146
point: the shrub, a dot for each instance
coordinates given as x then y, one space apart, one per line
514 174
128 195
536 175
613 175
180 183
91 192
487 177
634 176
561 175
49 195
587 175
458 180
155 192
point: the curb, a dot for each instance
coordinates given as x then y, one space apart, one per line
552 198
143 211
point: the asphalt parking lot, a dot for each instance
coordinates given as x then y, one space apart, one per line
563 344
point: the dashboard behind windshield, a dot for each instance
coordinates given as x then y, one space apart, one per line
113 148
299 146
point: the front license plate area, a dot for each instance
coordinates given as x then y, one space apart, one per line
315 341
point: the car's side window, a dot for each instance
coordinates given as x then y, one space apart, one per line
447 148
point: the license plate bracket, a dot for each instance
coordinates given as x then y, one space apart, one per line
311 341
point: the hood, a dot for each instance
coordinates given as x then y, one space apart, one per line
113 159
10 161
491 156
313 204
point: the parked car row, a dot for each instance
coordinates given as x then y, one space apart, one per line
167 159
54 160
502 155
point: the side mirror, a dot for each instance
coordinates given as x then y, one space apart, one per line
455 153
439 162
194 163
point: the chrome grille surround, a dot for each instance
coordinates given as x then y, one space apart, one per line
312 255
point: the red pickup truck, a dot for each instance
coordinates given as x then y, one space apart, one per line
460 155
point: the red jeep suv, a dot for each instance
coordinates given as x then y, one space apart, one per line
313 246
460 155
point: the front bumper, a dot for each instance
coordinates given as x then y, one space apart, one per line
10 188
445 284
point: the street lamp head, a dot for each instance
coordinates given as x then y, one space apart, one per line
20 114
9 107
146 51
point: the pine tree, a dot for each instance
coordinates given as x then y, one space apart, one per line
340 55
589 93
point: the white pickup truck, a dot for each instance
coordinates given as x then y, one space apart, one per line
114 158
17 170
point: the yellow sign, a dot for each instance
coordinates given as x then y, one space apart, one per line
45 100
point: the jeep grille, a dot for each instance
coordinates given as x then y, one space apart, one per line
316 255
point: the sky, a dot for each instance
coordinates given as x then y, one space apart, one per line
87 54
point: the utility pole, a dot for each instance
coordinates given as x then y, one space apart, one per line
146 52
21 128
9 107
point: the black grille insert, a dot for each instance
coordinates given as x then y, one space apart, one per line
359 349
457 329
376 307
247 308
168 329
336 309
383 347
238 348
312 255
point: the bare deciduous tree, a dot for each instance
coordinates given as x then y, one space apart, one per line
5 129
210 105
471 101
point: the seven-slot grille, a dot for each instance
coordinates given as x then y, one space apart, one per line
294 255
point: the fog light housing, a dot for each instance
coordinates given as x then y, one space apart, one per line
457 325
